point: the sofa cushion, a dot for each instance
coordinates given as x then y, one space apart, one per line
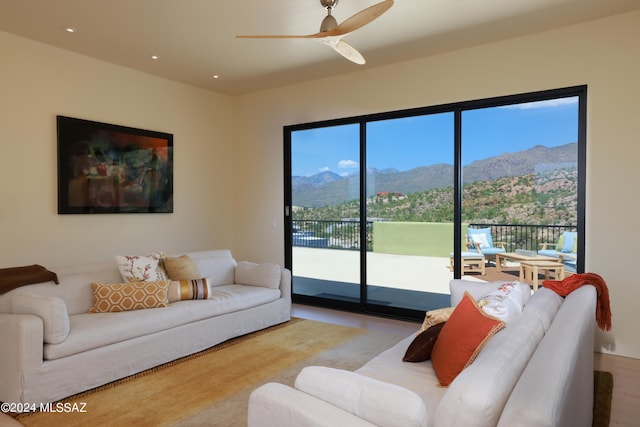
461 339
116 297
74 288
180 290
504 302
92 330
545 304
483 388
52 311
266 274
181 268
217 264
458 287
421 347
380 403
135 268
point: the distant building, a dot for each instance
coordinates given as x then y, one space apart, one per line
388 193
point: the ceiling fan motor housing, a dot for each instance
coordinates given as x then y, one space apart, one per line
329 4
329 22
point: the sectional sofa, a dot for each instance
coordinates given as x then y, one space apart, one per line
53 347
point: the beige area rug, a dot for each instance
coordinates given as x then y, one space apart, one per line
212 388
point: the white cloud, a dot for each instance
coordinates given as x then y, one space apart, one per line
347 164
551 103
324 169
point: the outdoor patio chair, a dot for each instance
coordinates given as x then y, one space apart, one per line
480 240
566 249
472 262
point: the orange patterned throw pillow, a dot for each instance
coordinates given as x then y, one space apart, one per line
461 339
115 297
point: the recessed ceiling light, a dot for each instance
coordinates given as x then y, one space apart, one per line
215 76
155 57
71 29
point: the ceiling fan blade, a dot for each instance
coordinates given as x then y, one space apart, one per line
360 19
345 49
284 36
351 24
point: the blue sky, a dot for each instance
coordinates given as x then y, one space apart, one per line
407 143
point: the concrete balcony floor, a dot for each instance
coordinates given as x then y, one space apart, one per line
408 281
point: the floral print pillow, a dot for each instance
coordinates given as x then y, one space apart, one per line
139 268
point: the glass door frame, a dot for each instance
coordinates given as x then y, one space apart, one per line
457 108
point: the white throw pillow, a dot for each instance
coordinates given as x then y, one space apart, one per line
380 403
481 239
141 268
266 275
457 288
504 303
52 311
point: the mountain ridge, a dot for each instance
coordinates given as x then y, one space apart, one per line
328 188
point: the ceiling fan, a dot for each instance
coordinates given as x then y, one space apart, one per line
331 33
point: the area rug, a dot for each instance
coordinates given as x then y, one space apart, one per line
602 394
212 387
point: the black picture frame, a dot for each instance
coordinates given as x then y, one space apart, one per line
107 168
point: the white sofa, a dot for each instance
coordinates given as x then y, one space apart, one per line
54 348
537 371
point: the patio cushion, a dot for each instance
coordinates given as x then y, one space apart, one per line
481 236
476 255
492 251
548 252
568 242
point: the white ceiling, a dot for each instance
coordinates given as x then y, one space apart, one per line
195 39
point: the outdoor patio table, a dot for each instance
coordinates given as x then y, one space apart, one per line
501 259
531 269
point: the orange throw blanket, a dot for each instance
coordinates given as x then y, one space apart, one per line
573 282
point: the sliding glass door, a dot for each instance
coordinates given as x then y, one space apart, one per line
325 212
521 169
382 211
409 204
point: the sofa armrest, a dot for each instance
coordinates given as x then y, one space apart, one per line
52 311
379 402
285 283
560 370
21 336
274 404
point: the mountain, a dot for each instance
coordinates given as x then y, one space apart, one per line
316 180
549 197
328 188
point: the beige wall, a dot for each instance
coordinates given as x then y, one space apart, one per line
38 82
605 55
229 152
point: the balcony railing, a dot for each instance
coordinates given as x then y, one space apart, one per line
529 236
345 234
